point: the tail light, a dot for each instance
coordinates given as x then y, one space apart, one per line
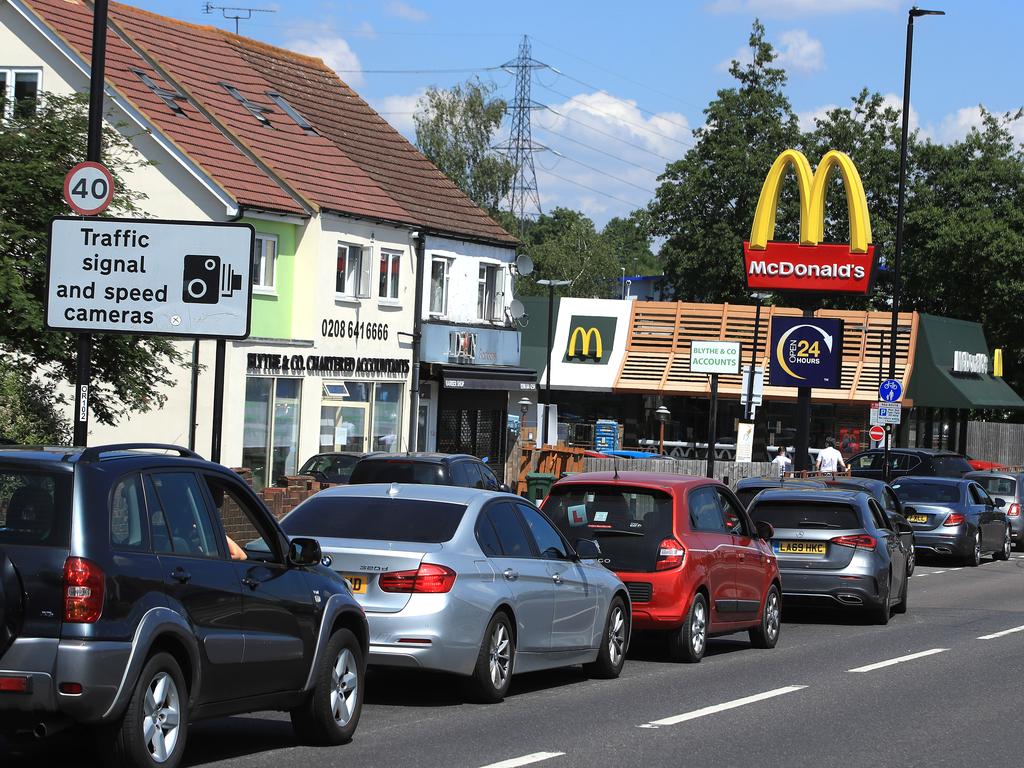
955 518
857 541
1014 510
83 591
670 555
428 578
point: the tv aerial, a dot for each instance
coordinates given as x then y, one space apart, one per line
235 13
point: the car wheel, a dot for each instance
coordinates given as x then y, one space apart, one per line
154 727
612 654
496 661
901 606
911 562
766 634
688 643
880 613
1004 553
330 714
974 558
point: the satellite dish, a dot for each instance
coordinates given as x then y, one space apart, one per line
516 309
524 264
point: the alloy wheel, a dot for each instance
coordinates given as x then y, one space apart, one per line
772 615
616 636
977 548
344 687
161 717
1007 545
699 628
500 656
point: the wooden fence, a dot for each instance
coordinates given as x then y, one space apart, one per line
995 441
731 471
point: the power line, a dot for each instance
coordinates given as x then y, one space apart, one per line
419 71
602 172
642 148
592 148
605 91
594 189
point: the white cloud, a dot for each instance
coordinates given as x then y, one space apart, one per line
405 11
365 29
335 52
808 120
956 125
801 7
799 52
398 111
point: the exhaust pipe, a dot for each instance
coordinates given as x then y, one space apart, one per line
944 550
848 599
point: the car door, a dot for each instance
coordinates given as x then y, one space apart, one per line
198 577
278 607
885 529
894 511
527 577
575 598
990 522
708 525
748 559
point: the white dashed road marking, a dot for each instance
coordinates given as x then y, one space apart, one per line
676 719
900 660
1005 632
514 762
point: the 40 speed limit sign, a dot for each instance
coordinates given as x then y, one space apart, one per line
88 188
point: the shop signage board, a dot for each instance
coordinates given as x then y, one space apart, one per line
591 339
810 265
806 352
468 345
714 356
148 277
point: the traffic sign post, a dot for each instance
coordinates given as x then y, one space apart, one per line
877 433
89 188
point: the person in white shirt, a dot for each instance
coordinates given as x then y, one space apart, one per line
829 459
782 463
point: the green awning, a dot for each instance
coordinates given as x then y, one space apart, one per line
934 383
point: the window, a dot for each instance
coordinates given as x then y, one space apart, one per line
549 542
706 511
490 482
270 437
806 515
387 411
181 522
35 507
353 275
867 461
128 529
374 518
237 520
511 533
264 260
488 298
487 537
878 516
734 518
925 492
463 475
390 262
439 268
19 91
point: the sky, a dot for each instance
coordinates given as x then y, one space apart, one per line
626 83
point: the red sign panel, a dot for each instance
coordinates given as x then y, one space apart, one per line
822 268
877 433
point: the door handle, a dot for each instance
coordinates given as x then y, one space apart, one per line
250 582
181 576
510 575
556 578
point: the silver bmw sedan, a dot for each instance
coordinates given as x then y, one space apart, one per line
468 581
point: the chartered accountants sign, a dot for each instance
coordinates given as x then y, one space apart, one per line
591 339
806 352
810 265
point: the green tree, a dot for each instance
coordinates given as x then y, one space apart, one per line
455 129
30 410
630 244
564 245
36 150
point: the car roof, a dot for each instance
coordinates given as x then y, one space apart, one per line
414 491
871 483
769 481
933 479
977 474
649 479
424 457
131 453
918 451
809 493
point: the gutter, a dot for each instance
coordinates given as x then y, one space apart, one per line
420 240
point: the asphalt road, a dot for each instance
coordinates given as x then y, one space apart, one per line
939 686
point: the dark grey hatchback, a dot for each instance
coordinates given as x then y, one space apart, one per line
140 591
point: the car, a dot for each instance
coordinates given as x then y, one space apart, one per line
466 581
748 487
694 564
332 467
123 609
1005 486
837 547
428 468
891 504
984 463
955 517
908 461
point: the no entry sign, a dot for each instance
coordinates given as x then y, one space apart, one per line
89 188
877 433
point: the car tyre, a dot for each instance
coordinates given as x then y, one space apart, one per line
330 714
1004 553
495 663
901 606
688 643
911 562
766 634
880 613
154 728
612 654
974 558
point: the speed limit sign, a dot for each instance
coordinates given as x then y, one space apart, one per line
88 188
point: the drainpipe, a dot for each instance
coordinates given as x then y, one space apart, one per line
420 241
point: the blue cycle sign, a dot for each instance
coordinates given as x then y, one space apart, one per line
890 391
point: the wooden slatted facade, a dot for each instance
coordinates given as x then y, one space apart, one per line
657 357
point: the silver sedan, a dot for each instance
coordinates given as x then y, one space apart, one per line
467 581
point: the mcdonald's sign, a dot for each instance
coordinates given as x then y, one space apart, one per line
810 265
590 339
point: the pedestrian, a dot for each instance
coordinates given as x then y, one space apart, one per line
782 463
830 459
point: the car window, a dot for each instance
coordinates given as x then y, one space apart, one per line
490 480
950 465
128 529
806 515
398 471
474 473
184 512
706 510
891 502
240 523
464 474
487 537
979 496
998 486
35 507
376 519
509 528
549 541
866 461
878 517
735 519
926 492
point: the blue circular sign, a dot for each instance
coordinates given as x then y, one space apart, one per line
890 391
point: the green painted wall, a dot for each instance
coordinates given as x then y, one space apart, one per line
272 315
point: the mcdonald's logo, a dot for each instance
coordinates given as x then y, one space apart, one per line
997 364
810 265
590 339
586 336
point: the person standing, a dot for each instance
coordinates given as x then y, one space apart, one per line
830 459
782 463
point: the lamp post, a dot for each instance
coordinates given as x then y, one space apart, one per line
551 284
662 415
748 412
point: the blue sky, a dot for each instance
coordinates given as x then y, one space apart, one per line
630 80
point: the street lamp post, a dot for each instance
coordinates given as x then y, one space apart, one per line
662 415
748 412
551 284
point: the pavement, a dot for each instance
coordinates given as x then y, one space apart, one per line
939 686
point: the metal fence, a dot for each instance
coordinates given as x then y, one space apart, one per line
730 470
995 441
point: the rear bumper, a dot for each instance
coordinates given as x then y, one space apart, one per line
659 600
802 588
431 632
1017 528
957 544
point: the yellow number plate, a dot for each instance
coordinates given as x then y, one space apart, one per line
917 518
356 581
802 547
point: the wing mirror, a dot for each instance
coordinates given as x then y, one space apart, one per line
1000 503
764 530
304 552
588 549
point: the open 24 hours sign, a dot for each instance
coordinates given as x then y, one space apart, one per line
806 352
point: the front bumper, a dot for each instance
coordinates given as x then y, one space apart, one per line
800 587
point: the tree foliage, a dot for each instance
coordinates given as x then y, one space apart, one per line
630 244
30 410
564 245
36 151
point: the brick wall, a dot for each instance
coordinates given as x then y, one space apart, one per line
281 501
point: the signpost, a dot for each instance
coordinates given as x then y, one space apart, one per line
714 357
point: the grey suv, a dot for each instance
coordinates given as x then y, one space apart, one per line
140 591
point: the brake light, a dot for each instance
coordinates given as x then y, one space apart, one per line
1014 510
428 578
857 541
14 685
955 518
670 555
83 591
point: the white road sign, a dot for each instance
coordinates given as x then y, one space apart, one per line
715 356
886 413
143 276
88 188
758 385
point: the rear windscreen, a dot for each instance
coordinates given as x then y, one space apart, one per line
746 495
924 492
330 465
423 522
810 515
397 471
628 523
998 486
950 466
35 507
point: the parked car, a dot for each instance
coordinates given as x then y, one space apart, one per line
908 461
955 517
332 467
1005 486
891 504
836 546
470 582
693 563
978 464
425 468
123 609
748 487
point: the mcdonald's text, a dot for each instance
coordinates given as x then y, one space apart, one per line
825 268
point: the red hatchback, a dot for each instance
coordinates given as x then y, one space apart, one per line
693 562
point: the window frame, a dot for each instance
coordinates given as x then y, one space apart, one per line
569 554
362 276
10 74
146 546
445 280
257 520
149 482
262 238
392 276
693 521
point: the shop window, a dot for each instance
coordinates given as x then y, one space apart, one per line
390 264
366 418
19 92
270 440
439 269
489 293
387 409
353 272
264 261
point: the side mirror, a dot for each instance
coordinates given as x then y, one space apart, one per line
588 549
304 552
904 527
1000 503
764 530
907 511
504 488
